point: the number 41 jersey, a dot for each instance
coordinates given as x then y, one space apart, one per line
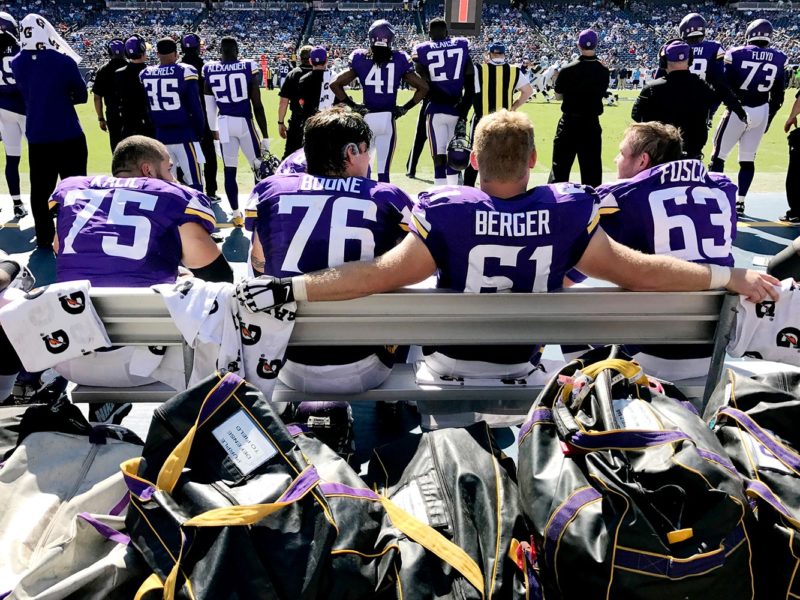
306 223
123 232
677 208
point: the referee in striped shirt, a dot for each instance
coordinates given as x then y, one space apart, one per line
496 82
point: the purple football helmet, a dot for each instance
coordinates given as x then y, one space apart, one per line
381 33
692 25
8 25
759 30
458 151
116 48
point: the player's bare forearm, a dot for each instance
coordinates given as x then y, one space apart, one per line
98 106
407 263
792 119
420 86
343 79
283 106
525 92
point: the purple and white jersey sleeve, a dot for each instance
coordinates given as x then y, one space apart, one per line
306 223
380 82
676 209
752 72
230 84
527 243
446 62
123 232
294 163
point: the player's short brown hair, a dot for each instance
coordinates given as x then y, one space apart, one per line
328 134
663 143
135 150
305 54
503 145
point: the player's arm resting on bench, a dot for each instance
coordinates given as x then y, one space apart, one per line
606 259
202 256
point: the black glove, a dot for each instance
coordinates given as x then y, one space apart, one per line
264 293
742 114
360 109
398 111
461 128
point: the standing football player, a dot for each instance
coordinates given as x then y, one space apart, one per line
173 94
755 72
325 217
445 63
104 92
284 66
380 70
12 110
232 99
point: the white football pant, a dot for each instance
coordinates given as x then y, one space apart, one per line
441 129
188 157
12 128
351 378
238 133
384 132
731 131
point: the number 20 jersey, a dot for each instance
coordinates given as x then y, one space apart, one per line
306 223
676 209
230 84
123 232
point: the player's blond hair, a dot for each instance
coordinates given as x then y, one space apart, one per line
663 143
503 145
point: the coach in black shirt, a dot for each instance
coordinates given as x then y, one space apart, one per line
682 99
581 86
290 99
104 92
131 95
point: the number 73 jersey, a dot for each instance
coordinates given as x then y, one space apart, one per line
306 223
123 232
676 209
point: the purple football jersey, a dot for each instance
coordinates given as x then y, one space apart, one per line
230 84
752 72
446 60
123 232
676 209
306 223
483 244
294 163
173 96
10 95
707 60
380 82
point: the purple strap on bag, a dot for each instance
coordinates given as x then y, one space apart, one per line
107 532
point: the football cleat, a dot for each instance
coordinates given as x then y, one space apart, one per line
458 151
268 164
20 211
109 412
759 30
381 33
740 207
692 25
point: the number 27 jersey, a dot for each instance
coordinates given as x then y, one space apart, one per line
123 232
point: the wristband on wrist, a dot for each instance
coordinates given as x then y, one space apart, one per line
280 122
299 288
720 276
101 119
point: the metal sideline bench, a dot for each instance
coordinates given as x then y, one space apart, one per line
587 315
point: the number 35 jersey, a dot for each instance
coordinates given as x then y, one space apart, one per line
677 208
306 223
123 232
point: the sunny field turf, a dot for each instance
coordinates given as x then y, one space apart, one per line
770 163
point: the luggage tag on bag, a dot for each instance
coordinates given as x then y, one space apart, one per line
246 445
581 386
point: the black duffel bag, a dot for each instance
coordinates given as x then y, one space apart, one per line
628 491
226 505
756 420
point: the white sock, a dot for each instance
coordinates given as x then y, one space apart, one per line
452 179
439 181
740 199
236 213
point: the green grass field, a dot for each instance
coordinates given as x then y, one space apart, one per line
770 163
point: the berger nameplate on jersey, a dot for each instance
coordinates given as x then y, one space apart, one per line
463 17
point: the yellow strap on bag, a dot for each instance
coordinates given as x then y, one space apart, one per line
433 541
176 461
626 367
151 584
